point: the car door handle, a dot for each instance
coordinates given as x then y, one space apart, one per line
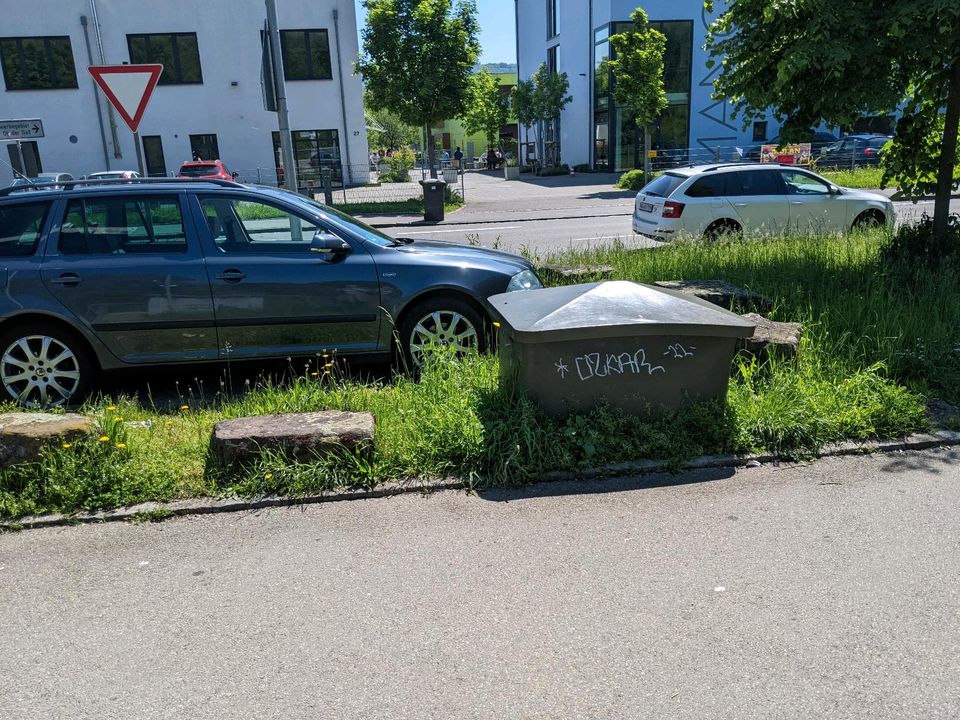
740 204
796 202
66 279
231 275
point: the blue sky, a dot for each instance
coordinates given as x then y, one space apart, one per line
497 32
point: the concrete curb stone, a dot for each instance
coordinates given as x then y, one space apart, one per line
206 506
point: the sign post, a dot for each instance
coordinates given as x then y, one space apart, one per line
128 88
20 130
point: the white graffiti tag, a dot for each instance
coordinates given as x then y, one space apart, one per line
593 365
679 351
562 369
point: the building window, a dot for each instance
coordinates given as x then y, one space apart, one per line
38 63
306 55
156 166
759 130
551 18
552 60
177 52
313 150
204 147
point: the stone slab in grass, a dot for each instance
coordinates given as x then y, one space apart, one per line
24 434
721 293
299 436
772 338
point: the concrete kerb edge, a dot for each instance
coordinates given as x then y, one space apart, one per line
491 222
207 506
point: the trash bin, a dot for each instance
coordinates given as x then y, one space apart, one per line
433 196
638 348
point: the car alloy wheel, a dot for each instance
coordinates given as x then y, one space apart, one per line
40 371
442 331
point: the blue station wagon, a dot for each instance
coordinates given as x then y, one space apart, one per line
144 273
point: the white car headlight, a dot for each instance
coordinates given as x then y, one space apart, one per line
524 280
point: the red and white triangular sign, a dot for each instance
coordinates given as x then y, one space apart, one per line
128 88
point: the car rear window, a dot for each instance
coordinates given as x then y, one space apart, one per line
710 186
20 227
760 182
664 185
878 142
121 226
198 170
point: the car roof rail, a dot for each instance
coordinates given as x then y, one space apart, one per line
64 184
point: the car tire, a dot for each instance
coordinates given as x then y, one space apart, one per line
45 365
723 229
869 220
440 321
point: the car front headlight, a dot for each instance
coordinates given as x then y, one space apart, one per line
524 280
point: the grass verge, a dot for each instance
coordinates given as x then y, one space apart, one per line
879 338
863 177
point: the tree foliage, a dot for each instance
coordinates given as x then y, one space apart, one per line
839 60
540 99
487 106
387 130
637 67
417 57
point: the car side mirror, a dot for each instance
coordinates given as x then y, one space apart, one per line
234 174
329 244
834 190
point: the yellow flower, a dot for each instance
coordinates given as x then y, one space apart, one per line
496 324
313 374
326 372
66 446
104 438
119 418
184 407
329 364
111 408
121 446
268 476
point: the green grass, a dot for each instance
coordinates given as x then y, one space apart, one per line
452 202
864 177
878 340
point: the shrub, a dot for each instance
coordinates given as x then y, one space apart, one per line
912 243
582 168
631 180
400 164
557 170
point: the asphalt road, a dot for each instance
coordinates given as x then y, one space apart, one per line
557 235
823 591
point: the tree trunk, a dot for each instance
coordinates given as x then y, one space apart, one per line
948 158
431 152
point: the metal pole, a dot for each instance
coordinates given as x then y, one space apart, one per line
112 120
286 141
136 142
23 166
96 96
343 101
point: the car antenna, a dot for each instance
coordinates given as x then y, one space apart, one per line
17 172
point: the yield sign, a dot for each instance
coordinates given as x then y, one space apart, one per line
128 88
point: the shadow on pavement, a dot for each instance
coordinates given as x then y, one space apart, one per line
562 488
608 195
931 462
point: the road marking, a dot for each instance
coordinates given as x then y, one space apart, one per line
465 230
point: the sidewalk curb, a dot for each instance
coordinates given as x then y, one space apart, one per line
493 222
207 506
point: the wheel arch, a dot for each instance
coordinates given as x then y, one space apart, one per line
34 318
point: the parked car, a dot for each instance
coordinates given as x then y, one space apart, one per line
719 199
45 179
853 150
817 139
214 169
113 175
154 273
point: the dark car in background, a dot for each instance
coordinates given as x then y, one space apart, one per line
817 139
853 150
143 273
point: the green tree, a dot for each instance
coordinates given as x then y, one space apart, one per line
838 60
539 100
417 58
386 130
487 106
637 67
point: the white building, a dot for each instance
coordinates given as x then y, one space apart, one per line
571 36
209 101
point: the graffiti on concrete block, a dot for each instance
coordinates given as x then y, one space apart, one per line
601 365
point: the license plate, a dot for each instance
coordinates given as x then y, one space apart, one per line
645 207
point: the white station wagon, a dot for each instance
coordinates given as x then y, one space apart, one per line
720 199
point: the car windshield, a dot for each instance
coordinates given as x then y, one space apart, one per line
664 185
359 228
199 170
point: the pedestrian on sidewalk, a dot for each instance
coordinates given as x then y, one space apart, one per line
458 160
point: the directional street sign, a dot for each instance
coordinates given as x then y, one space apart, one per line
128 88
20 129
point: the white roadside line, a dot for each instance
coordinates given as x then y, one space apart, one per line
463 230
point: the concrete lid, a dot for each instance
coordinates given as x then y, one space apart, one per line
611 309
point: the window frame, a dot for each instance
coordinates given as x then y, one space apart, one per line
782 189
175 76
44 221
126 200
51 69
308 56
262 248
813 178
553 22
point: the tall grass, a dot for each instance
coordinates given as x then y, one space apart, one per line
878 339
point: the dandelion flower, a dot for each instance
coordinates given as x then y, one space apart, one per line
119 418
328 365
111 408
121 446
66 446
496 324
268 476
184 407
104 438
313 374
